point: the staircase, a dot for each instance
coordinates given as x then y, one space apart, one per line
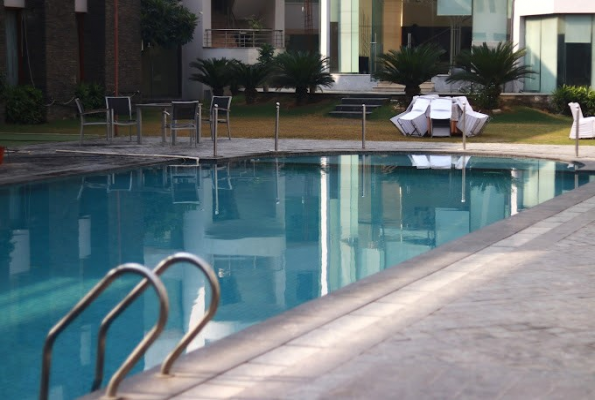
388 87
351 106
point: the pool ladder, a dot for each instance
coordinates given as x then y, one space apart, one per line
151 278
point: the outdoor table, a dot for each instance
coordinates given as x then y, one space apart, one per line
139 118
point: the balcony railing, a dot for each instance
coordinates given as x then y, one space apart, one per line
232 38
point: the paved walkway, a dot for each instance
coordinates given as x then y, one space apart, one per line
505 313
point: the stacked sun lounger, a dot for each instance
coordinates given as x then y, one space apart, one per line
440 117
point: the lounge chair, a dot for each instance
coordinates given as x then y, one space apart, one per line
474 122
586 125
440 116
414 121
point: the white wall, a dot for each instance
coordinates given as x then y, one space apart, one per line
194 49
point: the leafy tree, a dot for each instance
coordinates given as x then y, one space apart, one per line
213 72
490 68
410 66
250 77
166 23
302 71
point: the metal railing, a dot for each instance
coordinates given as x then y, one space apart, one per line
139 350
151 278
242 38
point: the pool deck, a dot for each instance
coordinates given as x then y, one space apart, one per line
507 312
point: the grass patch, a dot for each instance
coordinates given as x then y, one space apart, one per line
311 121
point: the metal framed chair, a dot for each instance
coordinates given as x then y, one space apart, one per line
223 109
83 115
120 112
184 116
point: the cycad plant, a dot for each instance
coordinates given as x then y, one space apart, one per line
250 77
410 66
490 68
302 71
213 72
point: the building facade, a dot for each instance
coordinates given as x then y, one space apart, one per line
558 37
55 45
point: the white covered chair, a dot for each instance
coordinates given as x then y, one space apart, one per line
414 121
440 116
440 162
420 161
586 125
473 121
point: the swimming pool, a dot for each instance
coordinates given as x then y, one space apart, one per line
278 232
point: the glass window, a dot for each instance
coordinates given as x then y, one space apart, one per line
490 21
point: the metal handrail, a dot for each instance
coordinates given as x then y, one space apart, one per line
139 350
247 38
119 308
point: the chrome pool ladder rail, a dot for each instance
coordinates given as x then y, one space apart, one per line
185 341
139 350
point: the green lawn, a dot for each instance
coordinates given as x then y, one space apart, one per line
311 121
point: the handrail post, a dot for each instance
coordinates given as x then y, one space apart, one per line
578 121
363 126
277 127
199 125
215 122
464 131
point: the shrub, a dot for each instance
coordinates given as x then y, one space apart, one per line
213 72
24 105
3 86
565 94
489 68
410 67
303 71
91 94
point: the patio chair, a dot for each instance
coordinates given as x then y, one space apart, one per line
184 116
120 108
440 116
586 125
474 121
83 115
414 122
224 105
185 183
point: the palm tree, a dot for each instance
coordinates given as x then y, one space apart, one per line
213 72
490 68
411 66
250 77
302 71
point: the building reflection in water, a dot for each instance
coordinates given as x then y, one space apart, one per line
278 232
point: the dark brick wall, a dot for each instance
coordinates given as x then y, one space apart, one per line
95 44
53 49
61 55
129 46
2 54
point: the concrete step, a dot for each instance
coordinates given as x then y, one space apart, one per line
356 107
426 87
348 114
371 101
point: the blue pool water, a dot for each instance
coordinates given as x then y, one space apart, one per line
278 232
